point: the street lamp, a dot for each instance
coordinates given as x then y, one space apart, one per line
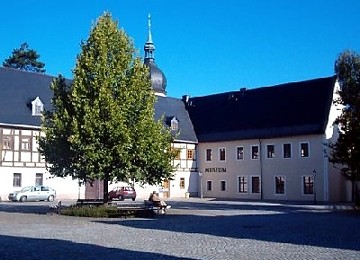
314 185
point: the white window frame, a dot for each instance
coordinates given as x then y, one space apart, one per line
225 186
37 107
283 151
279 176
251 184
308 147
219 158
237 154
207 185
17 179
251 152
182 181
192 152
174 124
267 151
303 185
246 186
25 143
211 154
8 142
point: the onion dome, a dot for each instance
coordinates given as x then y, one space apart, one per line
158 79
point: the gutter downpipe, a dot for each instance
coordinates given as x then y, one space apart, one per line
326 170
261 170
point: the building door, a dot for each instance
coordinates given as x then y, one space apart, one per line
166 189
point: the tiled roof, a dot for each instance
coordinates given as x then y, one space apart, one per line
18 88
173 107
298 108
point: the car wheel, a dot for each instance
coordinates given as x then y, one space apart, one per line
121 197
51 198
23 199
133 199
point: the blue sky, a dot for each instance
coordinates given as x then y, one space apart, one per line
203 46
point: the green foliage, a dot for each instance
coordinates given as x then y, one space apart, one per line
25 59
102 211
56 125
102 126
346 151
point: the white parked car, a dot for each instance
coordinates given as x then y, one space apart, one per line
33 193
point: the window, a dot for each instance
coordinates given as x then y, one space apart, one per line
287 150
44 188
208 155
7 143
17 180
39 179
222 154
25 144
174 124
255 152
304 149
242 184
223 185
37 107
177 152
182 183
190 154
255 184
209 185
240 153
308 184
279 185
270 151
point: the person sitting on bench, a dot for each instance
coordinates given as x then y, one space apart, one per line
155 199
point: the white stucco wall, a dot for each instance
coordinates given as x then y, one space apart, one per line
66 188
293 169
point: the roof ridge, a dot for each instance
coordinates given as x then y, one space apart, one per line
27 72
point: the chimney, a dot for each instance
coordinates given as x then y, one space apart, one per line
185 99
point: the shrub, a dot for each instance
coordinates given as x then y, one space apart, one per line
102 211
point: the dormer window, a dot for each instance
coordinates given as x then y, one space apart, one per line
37 107
174 124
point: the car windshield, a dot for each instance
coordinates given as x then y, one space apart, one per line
26 188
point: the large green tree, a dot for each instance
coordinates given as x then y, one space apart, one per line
346 151
102 126
25 59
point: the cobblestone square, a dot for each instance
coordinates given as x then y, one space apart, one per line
193 229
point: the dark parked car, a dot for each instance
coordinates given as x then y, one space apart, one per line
33 193
121 193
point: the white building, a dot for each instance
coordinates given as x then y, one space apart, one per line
23 96
269 143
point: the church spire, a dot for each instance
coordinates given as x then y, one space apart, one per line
157 77
149 47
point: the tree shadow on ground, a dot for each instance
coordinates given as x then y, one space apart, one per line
26 208
32 248
283 224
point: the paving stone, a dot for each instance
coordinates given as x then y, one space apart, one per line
192 229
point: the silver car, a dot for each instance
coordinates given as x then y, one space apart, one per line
33 193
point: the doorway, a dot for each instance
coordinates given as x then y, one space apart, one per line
166 189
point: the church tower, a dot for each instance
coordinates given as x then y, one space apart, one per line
158 79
